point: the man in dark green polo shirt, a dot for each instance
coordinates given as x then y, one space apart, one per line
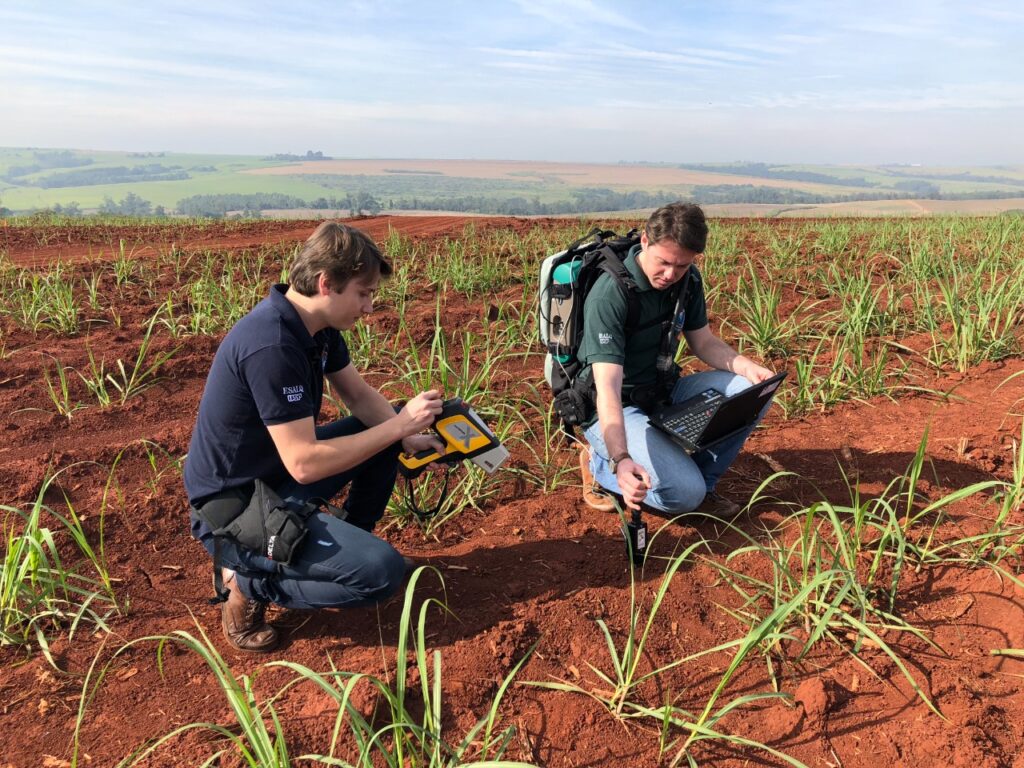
627 455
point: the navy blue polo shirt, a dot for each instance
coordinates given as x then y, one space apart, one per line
268 370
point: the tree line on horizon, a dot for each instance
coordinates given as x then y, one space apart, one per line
912 181
587 200
66 168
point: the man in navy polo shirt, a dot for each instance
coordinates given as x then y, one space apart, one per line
257 420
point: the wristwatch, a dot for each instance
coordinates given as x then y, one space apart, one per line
613 464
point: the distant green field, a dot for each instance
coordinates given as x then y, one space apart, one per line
165 193
38 179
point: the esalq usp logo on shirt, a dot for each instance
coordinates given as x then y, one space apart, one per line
294 394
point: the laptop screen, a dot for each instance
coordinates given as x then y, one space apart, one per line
740 410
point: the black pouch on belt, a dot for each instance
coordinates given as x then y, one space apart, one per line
572 407
269 526
258 520
644 397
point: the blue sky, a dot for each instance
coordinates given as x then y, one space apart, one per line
573 80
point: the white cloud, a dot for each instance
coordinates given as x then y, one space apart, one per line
527 53
120 70
523 66
656 81
696 57
572 14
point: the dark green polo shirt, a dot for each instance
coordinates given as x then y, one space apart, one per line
604 325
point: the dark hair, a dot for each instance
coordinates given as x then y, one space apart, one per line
338 251
682 223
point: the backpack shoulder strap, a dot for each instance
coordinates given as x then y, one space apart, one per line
680 292
614 267
596 236
685 288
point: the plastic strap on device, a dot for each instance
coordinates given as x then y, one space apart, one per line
410 498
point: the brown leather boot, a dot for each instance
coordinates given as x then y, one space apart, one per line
243 622
594 495
718 505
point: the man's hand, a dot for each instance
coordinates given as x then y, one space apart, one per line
415 443
712 350
420 412
633 481
750 370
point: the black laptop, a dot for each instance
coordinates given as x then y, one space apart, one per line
710 417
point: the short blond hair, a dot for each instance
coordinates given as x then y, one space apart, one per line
338 251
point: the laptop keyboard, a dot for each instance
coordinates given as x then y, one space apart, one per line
689 424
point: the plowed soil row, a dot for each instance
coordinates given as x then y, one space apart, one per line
35 246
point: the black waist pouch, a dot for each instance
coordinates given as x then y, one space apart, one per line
644 396
269 526
572 406
256 518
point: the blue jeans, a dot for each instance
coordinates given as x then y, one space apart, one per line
679 481
340 563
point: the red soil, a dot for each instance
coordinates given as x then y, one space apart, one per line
530 569
37 246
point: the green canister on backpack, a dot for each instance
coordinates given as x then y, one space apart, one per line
561 332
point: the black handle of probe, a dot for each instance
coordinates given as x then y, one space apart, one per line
636 538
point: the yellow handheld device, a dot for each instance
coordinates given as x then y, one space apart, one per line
465 437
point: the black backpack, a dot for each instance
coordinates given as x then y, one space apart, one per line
566 278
